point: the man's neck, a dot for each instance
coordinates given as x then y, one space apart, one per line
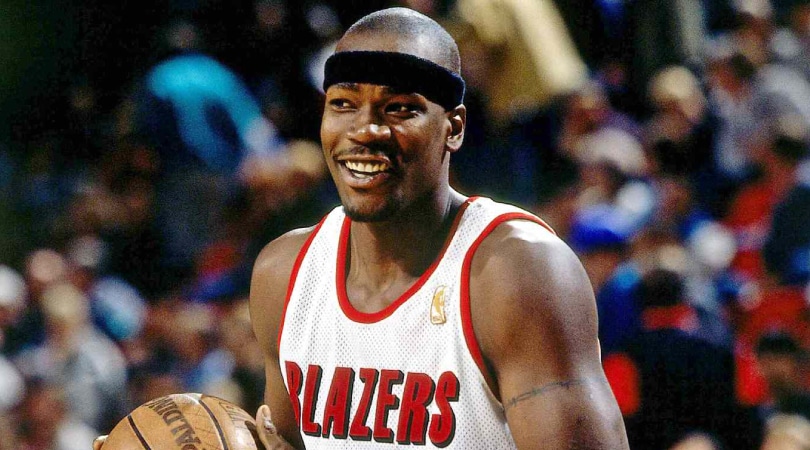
385 258
415 234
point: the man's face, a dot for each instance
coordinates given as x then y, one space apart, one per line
782 372
384 149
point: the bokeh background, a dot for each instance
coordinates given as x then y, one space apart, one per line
150 149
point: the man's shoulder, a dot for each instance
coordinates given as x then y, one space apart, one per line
524 259
282 251
275 263
270 282
510 216
513 242
286 247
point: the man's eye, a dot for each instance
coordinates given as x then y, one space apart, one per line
401 108
340 103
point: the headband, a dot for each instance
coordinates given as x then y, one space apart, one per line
400 71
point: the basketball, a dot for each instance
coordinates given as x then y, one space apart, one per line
187 421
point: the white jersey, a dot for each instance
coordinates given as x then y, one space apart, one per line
408 375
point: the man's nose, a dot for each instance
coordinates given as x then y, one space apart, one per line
368 128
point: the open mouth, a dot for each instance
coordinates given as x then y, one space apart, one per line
364 170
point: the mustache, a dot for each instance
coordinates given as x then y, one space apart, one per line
366 150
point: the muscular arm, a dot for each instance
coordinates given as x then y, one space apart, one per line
268 292
534 316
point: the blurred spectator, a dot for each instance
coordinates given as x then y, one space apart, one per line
697 441
236 336
587 111
487 142
752 29
13 294
784 365
8 433
660 34
151 381
792 42
12 386
752 211
679 132
12 391
78 358
43 268
763 312
711 287
678 214
611 165
683 236
186 348
293 199
730 87
589 124
207 129
532 57
670 383
266 42
779 88
601 236
786 432
13 299
45 182
516 69
47 423
603 146
216 120
786 251
132 242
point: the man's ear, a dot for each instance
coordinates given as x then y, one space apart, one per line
458 122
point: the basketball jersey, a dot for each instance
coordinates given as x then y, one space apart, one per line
408 375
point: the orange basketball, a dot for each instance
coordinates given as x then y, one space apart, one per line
184 422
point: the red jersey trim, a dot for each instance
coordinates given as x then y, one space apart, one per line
466 313
294 276
343 248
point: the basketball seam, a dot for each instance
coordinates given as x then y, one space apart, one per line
138 433
216 424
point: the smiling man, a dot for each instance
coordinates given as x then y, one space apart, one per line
413 315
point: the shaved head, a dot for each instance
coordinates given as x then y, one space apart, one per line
403 30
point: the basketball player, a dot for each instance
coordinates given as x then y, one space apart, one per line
413 315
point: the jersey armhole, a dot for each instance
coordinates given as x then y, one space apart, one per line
466 313
299 260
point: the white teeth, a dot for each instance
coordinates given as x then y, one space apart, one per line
366 168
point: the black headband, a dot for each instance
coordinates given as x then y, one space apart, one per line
400 71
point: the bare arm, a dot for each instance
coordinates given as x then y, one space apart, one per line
534 315
268 292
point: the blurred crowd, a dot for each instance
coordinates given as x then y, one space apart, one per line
665 141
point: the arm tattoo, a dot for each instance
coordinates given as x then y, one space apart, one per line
537 391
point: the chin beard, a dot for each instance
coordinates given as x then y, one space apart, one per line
376 215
